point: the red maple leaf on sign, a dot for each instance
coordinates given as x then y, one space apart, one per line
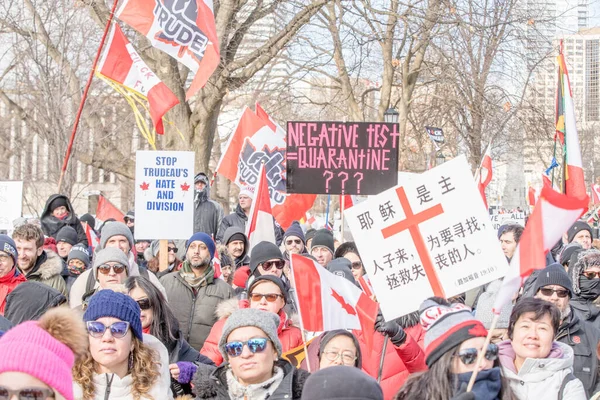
185 187
145 186
340 299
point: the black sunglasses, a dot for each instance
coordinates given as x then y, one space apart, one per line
562 293
144 304
289 242
173 249
267 265
30 393
469 356
104 269
357 265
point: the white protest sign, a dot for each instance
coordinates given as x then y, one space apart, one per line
507 218
11 203
164 194
429 236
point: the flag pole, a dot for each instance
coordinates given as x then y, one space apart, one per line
342 207
293 283
481 354
386 339
84 96
327 211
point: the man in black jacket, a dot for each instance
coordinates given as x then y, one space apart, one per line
207 213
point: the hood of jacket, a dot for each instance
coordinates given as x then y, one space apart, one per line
30 300
535 369
46 213
229 232
588 309
241 213
47 265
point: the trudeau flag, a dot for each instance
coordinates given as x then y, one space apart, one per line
552 216
256 141
123 65
185 30
260 225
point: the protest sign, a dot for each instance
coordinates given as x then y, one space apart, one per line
427 237
164 194
508 218
11 202
435 134
341 157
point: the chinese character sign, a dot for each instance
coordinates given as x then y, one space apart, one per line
428 237
341 157
164 194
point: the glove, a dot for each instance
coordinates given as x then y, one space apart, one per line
186 371
391 329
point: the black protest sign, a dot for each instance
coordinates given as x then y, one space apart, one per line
341 157
435 134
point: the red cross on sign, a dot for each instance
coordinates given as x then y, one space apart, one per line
411 222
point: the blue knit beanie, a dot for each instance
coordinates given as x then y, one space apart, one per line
295 230
8 246
107 303
204 238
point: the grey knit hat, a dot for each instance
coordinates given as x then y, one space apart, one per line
485 303
113 229
263 320
110 254
580 262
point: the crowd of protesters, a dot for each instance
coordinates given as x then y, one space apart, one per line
219 321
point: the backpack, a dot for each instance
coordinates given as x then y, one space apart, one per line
567 379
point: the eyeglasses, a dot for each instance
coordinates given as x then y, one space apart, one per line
357 265
118 329
144 304
347 357
105 268
592 275
30 393
290 242
173 249
255 345
469 356
562 293
271 297
267 265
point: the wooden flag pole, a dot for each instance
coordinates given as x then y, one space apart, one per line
481 354
163 253
302 331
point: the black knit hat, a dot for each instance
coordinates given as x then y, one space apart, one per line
263 251
67 234
340 382
60 201
553 274
323 238
310 233
89 219
576 228
269 278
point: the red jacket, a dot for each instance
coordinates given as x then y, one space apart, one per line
7 284
289 335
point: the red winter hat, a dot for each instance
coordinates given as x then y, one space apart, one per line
240 276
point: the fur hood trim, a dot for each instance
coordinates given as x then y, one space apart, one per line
51 267
66 326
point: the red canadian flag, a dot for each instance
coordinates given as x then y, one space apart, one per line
552 216
327 301
260 225
123 65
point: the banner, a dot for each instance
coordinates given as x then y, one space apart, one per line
509 218
428 237
435 134
164 194
11 203
341 157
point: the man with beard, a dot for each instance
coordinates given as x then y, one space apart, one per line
194 292
207 213
237 246
554 285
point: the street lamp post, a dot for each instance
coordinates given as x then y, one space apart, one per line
391 115
439 158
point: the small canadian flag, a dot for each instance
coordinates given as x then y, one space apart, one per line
260 225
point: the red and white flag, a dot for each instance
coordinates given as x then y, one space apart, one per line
123 65
260 225
327 301
185 30
552 216
253 143
531 197
484 177
346 201
595 193
106 210
365 285
91 237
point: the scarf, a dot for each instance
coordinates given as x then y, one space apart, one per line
487 384
195 282
8 277
258 391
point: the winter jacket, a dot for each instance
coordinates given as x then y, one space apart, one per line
289 335
5 324
47 270
51 225
120 389
8 283
30 300
207 213
78 290
541 378
195 310
211 383
239 219
588 310
244 259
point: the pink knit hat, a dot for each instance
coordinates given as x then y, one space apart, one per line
30 348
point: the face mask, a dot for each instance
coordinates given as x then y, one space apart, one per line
590 288
487 384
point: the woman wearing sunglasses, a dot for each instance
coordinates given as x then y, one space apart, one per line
254 368
267 293
536 366
152 255
453 339
36 357
120 364
349 251
158 320
584 271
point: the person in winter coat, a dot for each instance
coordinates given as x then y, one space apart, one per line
294 241
78 261
152 256
535 365
35 263
59 212
117 235
158 320
207 213
584 271
266 293
580 232
237 245
195 292
120 363
341 382
254 368
43 370
10 276
453 341
553 285
30 300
